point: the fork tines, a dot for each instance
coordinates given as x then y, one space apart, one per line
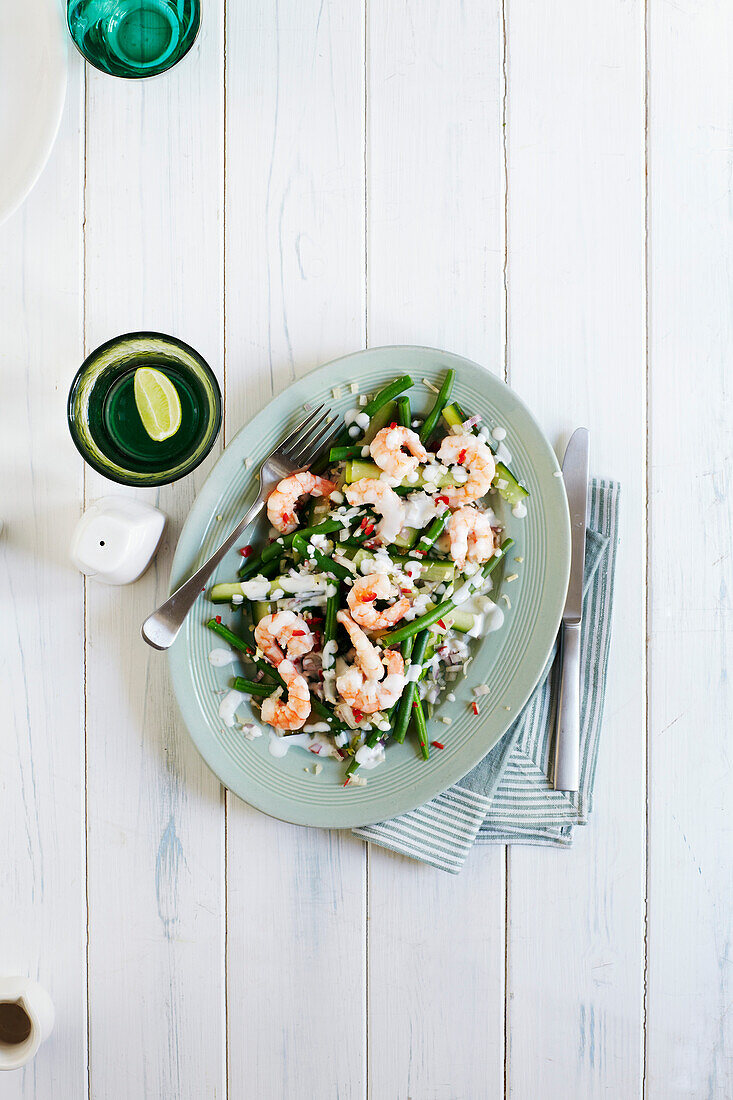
312 436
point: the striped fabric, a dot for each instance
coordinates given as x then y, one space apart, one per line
507 798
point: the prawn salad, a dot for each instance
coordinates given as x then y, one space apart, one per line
358 615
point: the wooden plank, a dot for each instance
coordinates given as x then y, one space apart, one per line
295 297
42 901
690 1028
575 129
435 260
155 812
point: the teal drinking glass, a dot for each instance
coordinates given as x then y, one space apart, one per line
104 415
133 38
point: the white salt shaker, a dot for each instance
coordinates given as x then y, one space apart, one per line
116 539
26 1019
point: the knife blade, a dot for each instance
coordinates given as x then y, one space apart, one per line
566 773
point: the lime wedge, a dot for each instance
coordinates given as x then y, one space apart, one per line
158 403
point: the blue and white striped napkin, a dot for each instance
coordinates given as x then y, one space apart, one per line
507 798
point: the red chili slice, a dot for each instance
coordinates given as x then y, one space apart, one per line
462 456
245 551
443 499
437 744
442 625
357 714
369 599
393 425
218 618
298 634
475 708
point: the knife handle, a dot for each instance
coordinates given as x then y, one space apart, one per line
566 771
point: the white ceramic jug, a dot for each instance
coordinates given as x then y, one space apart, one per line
26 1019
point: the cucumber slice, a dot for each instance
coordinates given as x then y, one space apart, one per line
407 541
507 485
438 571
359 468
462 621
453 416
222 593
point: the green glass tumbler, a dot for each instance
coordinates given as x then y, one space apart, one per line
133 38
104 417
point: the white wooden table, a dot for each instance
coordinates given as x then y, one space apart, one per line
546 188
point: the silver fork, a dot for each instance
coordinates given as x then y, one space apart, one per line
299 450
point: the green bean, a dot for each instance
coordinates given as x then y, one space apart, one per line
342 454
403 412
409 695
430 617
387 393
434 531
277 548
333 603
441 401
328 565
229 636
249 687
418 717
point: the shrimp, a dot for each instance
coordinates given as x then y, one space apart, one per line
368 695
468 451
287 630
368 490
368 657
361 597
388 451
283 499
290 714
471 536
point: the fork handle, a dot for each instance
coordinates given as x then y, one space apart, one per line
160 629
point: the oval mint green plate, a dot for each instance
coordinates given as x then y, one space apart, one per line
509 660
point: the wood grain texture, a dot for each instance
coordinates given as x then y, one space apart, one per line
295 298
575 277
155 812
42 888
689 1020
364 197
434 261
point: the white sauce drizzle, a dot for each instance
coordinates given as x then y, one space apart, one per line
220 658
228 706
370 758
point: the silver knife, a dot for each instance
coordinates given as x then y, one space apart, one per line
566 771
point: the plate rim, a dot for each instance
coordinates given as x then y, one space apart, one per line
224 767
